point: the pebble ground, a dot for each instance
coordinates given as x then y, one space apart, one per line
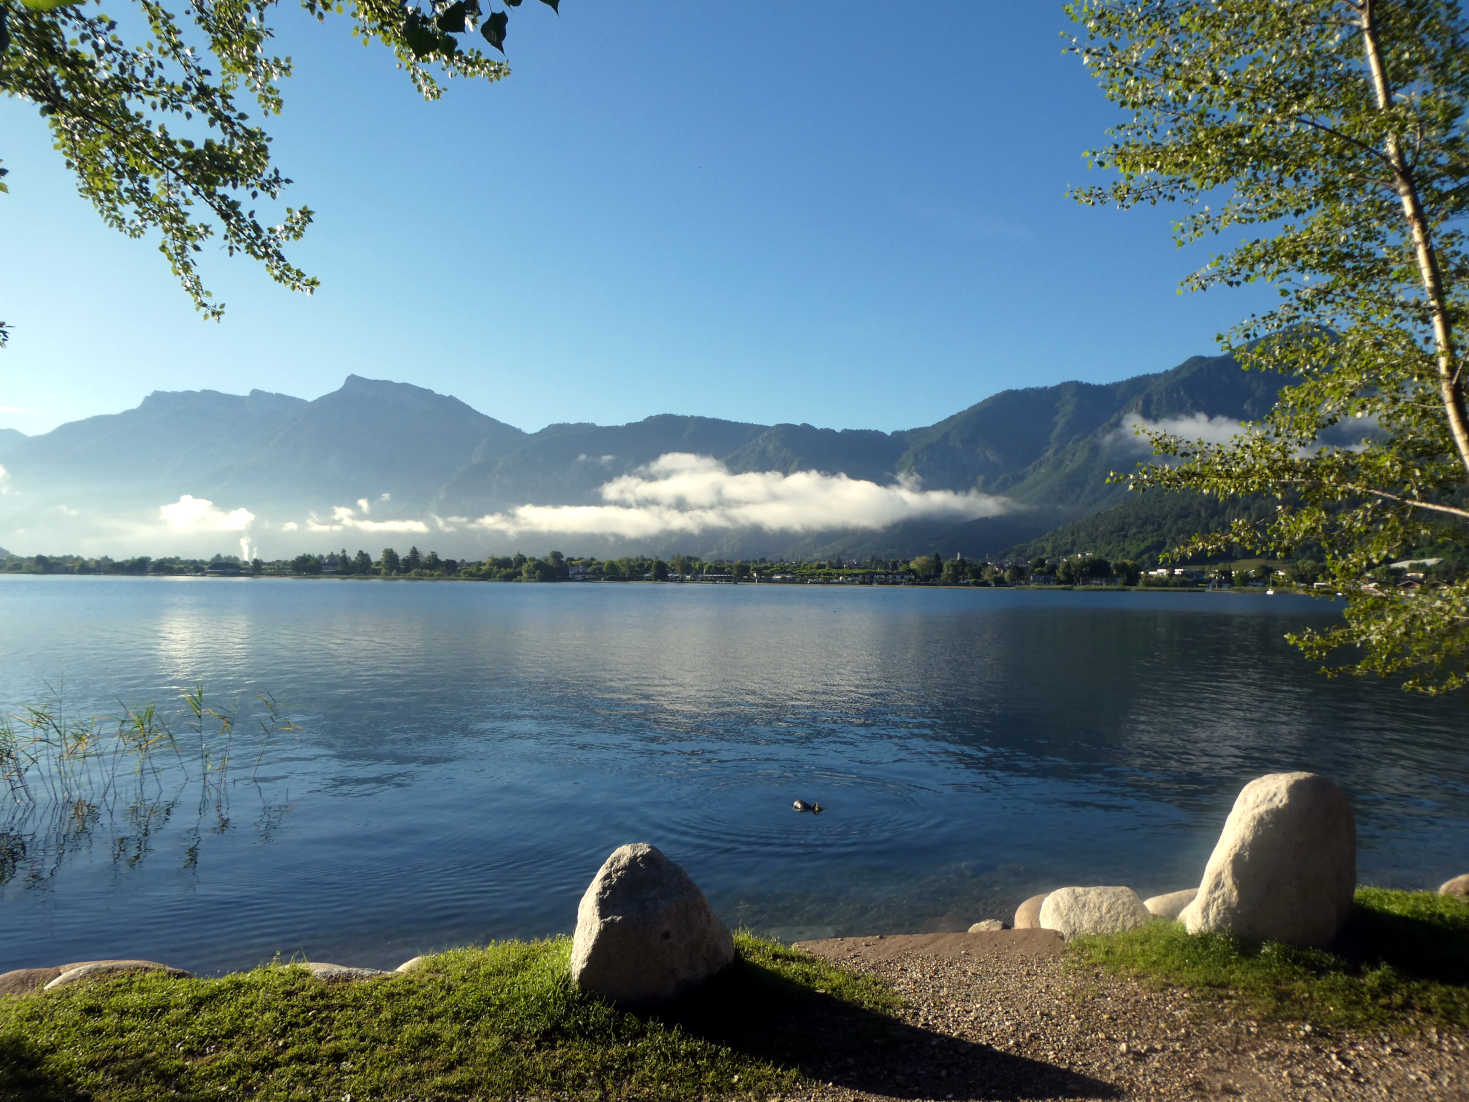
1003 1016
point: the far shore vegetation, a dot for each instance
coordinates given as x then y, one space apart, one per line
504 1020
1081 570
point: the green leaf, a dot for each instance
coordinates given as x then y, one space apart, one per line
454 19
419 36
494 30
47 5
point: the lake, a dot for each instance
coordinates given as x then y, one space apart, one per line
467 754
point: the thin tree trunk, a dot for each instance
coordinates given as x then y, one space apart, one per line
1450 387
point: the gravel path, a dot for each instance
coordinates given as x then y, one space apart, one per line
1002 1016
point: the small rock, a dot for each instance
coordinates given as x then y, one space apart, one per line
985 926
1459 886
97 969
1072 912
1168 906
1028 914
341 973
645 934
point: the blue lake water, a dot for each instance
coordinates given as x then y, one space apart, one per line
469 753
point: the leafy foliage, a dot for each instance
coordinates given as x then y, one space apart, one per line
151 111
1329 138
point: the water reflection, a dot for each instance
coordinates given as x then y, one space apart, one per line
468 755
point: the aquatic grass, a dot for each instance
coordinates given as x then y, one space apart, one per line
1403 956
493 1022
67 778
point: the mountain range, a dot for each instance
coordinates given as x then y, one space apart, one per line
378 463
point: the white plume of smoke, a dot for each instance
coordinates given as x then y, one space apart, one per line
683 493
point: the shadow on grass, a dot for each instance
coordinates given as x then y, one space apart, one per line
758 1012
23 1075
1427 943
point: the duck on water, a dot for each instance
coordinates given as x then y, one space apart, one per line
802 805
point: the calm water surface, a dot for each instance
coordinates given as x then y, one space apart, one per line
468 754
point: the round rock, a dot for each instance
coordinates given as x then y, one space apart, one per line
986 926
99 969
645 934
1459 886
1168 906
1072 912
1028 914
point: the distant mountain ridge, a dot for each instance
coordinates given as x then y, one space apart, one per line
408 453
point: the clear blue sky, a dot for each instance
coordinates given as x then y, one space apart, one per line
851 216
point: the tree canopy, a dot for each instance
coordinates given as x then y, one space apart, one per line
152 110
1327 140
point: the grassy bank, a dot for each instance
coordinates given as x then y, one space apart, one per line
497 1022
504 1021
1402 954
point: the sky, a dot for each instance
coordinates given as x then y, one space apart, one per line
852 217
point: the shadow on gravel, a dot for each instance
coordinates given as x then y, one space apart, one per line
767 1017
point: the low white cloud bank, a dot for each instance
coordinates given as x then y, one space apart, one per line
4 481
199 514
1196 426
357 518
1348 435
679 493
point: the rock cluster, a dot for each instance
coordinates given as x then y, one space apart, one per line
1284 869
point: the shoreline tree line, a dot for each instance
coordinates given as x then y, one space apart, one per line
1079 570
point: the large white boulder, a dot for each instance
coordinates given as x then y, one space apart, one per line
644 932
1072 912
1285 866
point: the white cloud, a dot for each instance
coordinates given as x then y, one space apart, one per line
199 514
290 526
4 481
345 518
1196 426
679 493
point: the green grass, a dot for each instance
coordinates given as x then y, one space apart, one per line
495 1022
1403 956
